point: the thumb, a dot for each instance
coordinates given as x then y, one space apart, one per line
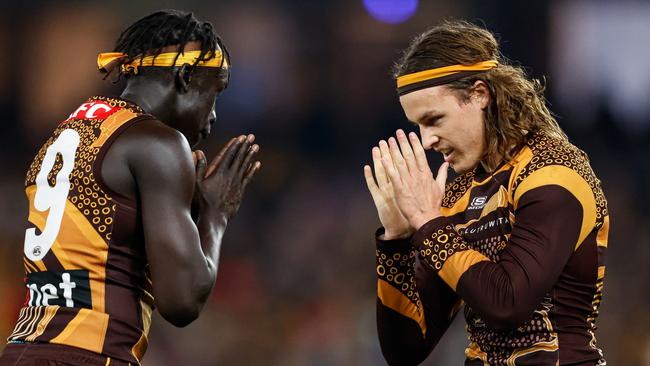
201 165
441 178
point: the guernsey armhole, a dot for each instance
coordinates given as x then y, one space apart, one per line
97 165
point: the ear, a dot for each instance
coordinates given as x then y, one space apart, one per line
183 77
481 94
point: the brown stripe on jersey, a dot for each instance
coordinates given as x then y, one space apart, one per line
140 348
576 289
125 270
87 330
58 323
52 263
539 355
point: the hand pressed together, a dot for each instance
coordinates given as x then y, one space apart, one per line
221 184
392 219
404 167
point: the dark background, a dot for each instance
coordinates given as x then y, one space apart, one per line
312 80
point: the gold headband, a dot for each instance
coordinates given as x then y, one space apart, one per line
109 60
441 75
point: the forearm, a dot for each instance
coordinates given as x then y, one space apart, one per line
506 292
211 227
410 320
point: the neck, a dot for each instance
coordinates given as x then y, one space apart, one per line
491 164
153 97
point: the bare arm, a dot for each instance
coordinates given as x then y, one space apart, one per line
183 255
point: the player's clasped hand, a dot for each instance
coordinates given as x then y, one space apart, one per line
221 184
392 219
407 180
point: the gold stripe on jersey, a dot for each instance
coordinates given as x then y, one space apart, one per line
27 321
140 348
111 124
603 232
50 312
550 346
78 245
87 330
29 268
521 161
457 264
392 298
570 180
473 352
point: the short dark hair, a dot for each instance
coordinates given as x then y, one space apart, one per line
149 35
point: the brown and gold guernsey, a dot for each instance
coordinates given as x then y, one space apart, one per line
84 257
522 248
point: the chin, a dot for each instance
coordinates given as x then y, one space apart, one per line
462 168
458 170
194 141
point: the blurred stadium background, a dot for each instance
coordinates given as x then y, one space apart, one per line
312 79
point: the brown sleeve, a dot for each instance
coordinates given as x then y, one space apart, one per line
411 318
549 221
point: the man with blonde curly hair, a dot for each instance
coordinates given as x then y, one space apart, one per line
519 236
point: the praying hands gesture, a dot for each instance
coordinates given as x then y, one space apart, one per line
405 193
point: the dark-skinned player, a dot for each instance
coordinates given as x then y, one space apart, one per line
123 216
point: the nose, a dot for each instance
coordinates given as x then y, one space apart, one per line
429 139
213 117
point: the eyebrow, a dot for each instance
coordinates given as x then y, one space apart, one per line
431 114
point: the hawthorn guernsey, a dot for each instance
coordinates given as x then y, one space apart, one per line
85 244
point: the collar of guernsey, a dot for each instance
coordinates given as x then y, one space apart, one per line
440 75
109 60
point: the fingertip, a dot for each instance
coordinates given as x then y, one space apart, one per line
250 137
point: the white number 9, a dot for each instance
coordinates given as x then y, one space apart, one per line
52 198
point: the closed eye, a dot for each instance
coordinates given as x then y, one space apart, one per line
431 120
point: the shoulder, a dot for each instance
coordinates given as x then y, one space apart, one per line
150 145
546 160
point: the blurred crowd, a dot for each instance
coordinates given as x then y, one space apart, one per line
312 79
